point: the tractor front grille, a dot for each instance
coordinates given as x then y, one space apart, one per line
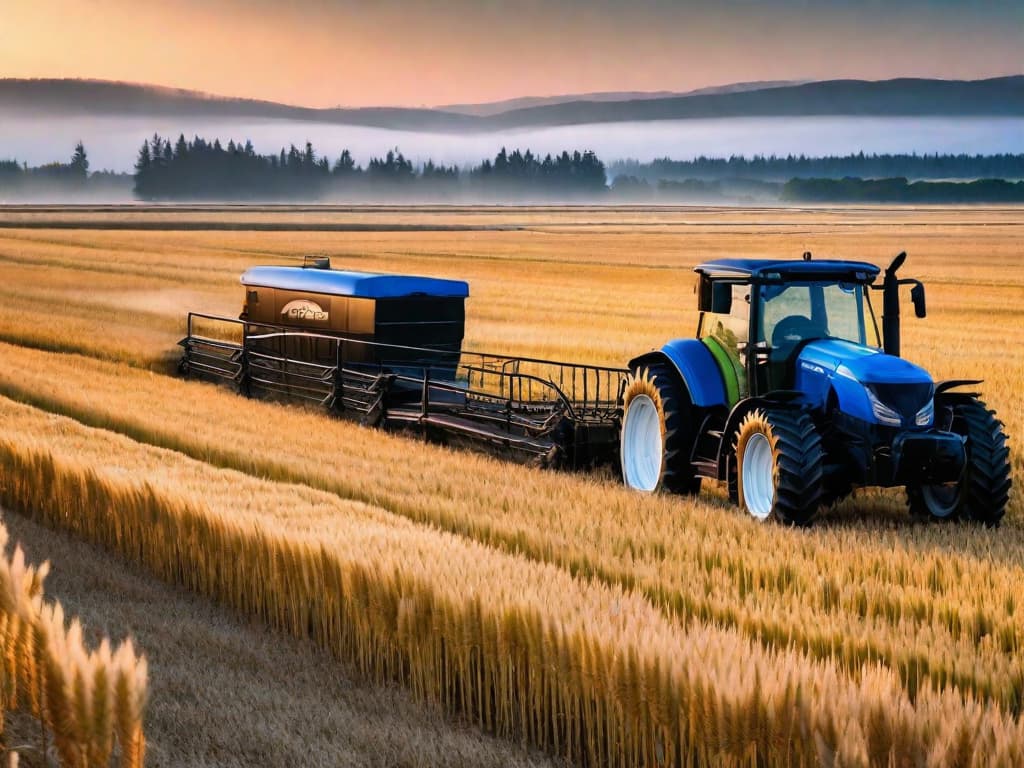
905 399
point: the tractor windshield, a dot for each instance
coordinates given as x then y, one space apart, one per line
795 312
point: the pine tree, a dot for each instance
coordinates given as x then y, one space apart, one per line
80 161
345 165
144 160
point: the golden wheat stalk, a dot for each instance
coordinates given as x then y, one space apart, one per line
49 672
514 643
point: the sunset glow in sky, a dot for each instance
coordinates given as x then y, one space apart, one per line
326 53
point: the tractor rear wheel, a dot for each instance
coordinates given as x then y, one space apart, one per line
983 491
657 433
779 466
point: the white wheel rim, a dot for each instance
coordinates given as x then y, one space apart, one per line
758 476
641 445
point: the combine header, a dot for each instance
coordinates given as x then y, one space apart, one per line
788 394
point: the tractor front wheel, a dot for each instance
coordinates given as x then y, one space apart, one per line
657 433
982 492
779 466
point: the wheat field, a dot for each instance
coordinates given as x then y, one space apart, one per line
869 640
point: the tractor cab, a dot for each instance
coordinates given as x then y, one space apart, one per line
756 316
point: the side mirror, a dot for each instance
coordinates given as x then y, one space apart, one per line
917 296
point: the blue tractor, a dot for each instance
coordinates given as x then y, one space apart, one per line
790 396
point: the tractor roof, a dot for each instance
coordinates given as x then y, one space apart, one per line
857 271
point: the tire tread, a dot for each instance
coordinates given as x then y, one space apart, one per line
987 490
680 476
799 462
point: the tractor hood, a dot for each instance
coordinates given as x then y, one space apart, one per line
867 383
860 363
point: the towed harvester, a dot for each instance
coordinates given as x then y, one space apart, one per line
386 350
787 393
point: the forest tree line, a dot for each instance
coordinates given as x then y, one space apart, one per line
200 169
66 181
865 166
75 171
900 190
203 170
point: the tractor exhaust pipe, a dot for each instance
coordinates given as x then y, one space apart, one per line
891 304
891 307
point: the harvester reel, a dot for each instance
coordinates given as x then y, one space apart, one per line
656 440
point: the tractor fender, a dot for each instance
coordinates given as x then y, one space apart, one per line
696 367
943 387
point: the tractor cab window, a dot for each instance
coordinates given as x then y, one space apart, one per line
787 318
849 313
793 313
798 312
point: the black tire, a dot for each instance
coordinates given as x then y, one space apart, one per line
837 483
984 490
793 469
675 412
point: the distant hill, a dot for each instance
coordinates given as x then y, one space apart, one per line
100 98
491 108
887 98
1002 96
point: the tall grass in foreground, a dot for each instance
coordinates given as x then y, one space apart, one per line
936 604
85 701
584 670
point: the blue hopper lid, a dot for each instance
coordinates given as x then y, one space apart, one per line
337 282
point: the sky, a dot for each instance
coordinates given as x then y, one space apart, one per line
325 53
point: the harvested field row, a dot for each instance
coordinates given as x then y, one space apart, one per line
905 595
588 671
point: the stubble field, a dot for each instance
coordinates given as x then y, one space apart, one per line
553 609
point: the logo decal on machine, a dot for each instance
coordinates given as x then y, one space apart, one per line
304 310
811 367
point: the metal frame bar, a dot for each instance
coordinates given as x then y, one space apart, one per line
495 397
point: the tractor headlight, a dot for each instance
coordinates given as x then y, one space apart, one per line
926 415
883 413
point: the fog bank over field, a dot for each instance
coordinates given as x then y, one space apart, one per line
113 142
